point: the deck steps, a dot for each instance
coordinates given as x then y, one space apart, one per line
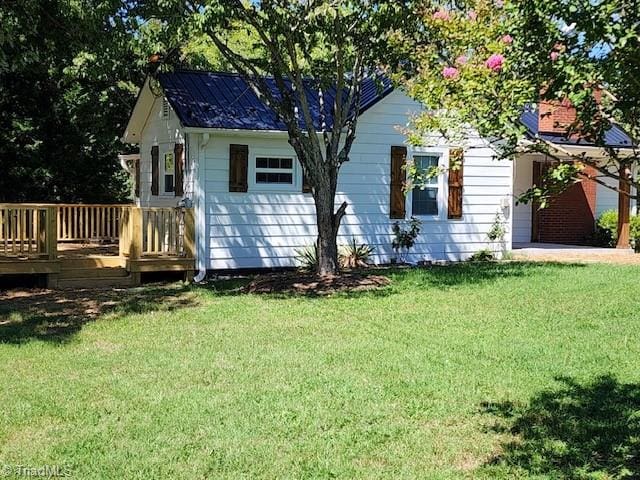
93 272
96 282
102 272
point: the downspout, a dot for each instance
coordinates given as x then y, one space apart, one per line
200 198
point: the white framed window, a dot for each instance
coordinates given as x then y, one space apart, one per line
273 172
429 202
424 199
168 182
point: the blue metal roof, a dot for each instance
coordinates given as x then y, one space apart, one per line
615 136
225 100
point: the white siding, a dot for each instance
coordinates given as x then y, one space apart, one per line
164 132
523 180
263 228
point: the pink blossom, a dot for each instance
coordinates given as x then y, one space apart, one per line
554 55
461 60
507 39
441 14
499 3
472 15
450 73
495 62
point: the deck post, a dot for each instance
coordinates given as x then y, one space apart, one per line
52 232
52 242
135 242
189 240
124 227
135 233
42 233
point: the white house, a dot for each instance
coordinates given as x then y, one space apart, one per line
206 139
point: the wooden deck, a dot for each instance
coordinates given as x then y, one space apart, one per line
95 245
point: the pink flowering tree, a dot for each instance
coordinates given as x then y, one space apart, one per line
480 63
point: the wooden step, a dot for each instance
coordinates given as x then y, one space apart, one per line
96 282
91 262
104 272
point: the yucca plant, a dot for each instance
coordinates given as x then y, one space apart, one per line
354 255
307 257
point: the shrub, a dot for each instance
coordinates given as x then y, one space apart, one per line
307 257
353 255
484 255
607 228
405 239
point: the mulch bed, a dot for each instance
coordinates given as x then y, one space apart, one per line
312 284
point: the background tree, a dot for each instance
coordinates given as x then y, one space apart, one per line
324 49
70 71
482 62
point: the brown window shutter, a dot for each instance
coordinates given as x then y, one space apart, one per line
155 170
238 167
136 179
397 199
178 158
306 186
456 172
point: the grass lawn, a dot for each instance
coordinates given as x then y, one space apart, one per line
473 371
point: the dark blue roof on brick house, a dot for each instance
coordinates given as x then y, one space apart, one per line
225 100
615 137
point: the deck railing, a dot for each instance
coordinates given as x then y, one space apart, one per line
84 223
30 231
25 231
157 232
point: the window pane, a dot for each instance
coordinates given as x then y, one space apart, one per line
274 163
168 183
424 163
169 164
262 162
285 178
425 202
274 177
286 163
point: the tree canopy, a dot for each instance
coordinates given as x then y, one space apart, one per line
481 63
70 71
303 53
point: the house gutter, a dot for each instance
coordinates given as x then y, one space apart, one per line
200 199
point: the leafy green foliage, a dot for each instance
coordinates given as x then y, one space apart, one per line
69 75
480 63
607 224
307 257
68 79
351 255
484 255
405 238
498 229
354 254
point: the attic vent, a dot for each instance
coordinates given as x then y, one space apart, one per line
165 108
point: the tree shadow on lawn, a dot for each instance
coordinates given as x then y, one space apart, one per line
57 315
436 276
476 273
579 430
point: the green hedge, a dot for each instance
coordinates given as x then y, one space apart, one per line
607 226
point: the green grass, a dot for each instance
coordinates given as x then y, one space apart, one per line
472 371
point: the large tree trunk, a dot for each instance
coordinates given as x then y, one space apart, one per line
328 223
624 204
